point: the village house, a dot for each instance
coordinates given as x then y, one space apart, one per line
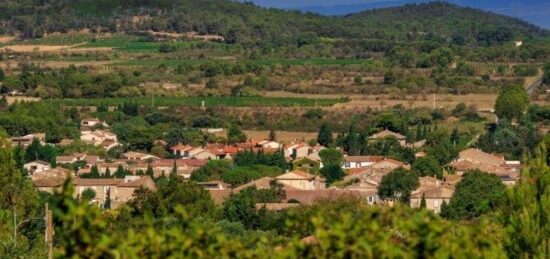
297 151
302 180
101 138
389 163
472 159
269 144
25 141
57 172
185 151
90 123
118 191
388 134
36 166
214 185
434 197
184 167
360 161
137 156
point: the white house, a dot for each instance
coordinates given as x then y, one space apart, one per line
302 180
36 166
360 161
269 144
99 138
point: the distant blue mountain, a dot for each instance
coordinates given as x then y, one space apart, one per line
533 11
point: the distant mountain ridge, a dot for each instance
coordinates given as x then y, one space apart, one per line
251 25
533 11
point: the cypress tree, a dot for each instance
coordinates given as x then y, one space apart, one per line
324 137
150 171
107 173
423 202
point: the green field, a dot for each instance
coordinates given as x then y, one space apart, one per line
265 62
208 101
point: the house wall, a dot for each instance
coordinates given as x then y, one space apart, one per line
432 204
303 184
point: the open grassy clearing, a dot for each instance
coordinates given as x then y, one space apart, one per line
208 101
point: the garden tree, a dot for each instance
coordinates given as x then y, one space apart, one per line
94 173
250 157
388 120
235 135
390 146
88 194
427 166
324 137
150 171
107 173
241 207
331 156
455 136
2 75
213 170
120 172
423 201
159 151
17 195
272 135
398 185
107 204
245 174
428 234
476 194
169 194
332 173
174 173
511 102
444 152
352 142
525 212
78 226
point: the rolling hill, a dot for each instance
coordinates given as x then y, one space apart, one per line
251 25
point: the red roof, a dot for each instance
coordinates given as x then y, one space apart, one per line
179 162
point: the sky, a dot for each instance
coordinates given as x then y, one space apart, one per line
534 11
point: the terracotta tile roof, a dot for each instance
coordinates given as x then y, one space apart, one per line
262 183
477 155
387 133
179 162
64 158
219 196
48 182
97 182
443 191
143 181
372 159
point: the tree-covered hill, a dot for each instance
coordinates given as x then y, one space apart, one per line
248 24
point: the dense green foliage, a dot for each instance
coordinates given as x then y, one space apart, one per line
476 194
398 185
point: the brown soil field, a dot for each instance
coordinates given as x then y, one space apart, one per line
49 48
12 99
6 39
282 136
58 64
482 101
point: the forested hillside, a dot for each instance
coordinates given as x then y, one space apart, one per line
251 25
